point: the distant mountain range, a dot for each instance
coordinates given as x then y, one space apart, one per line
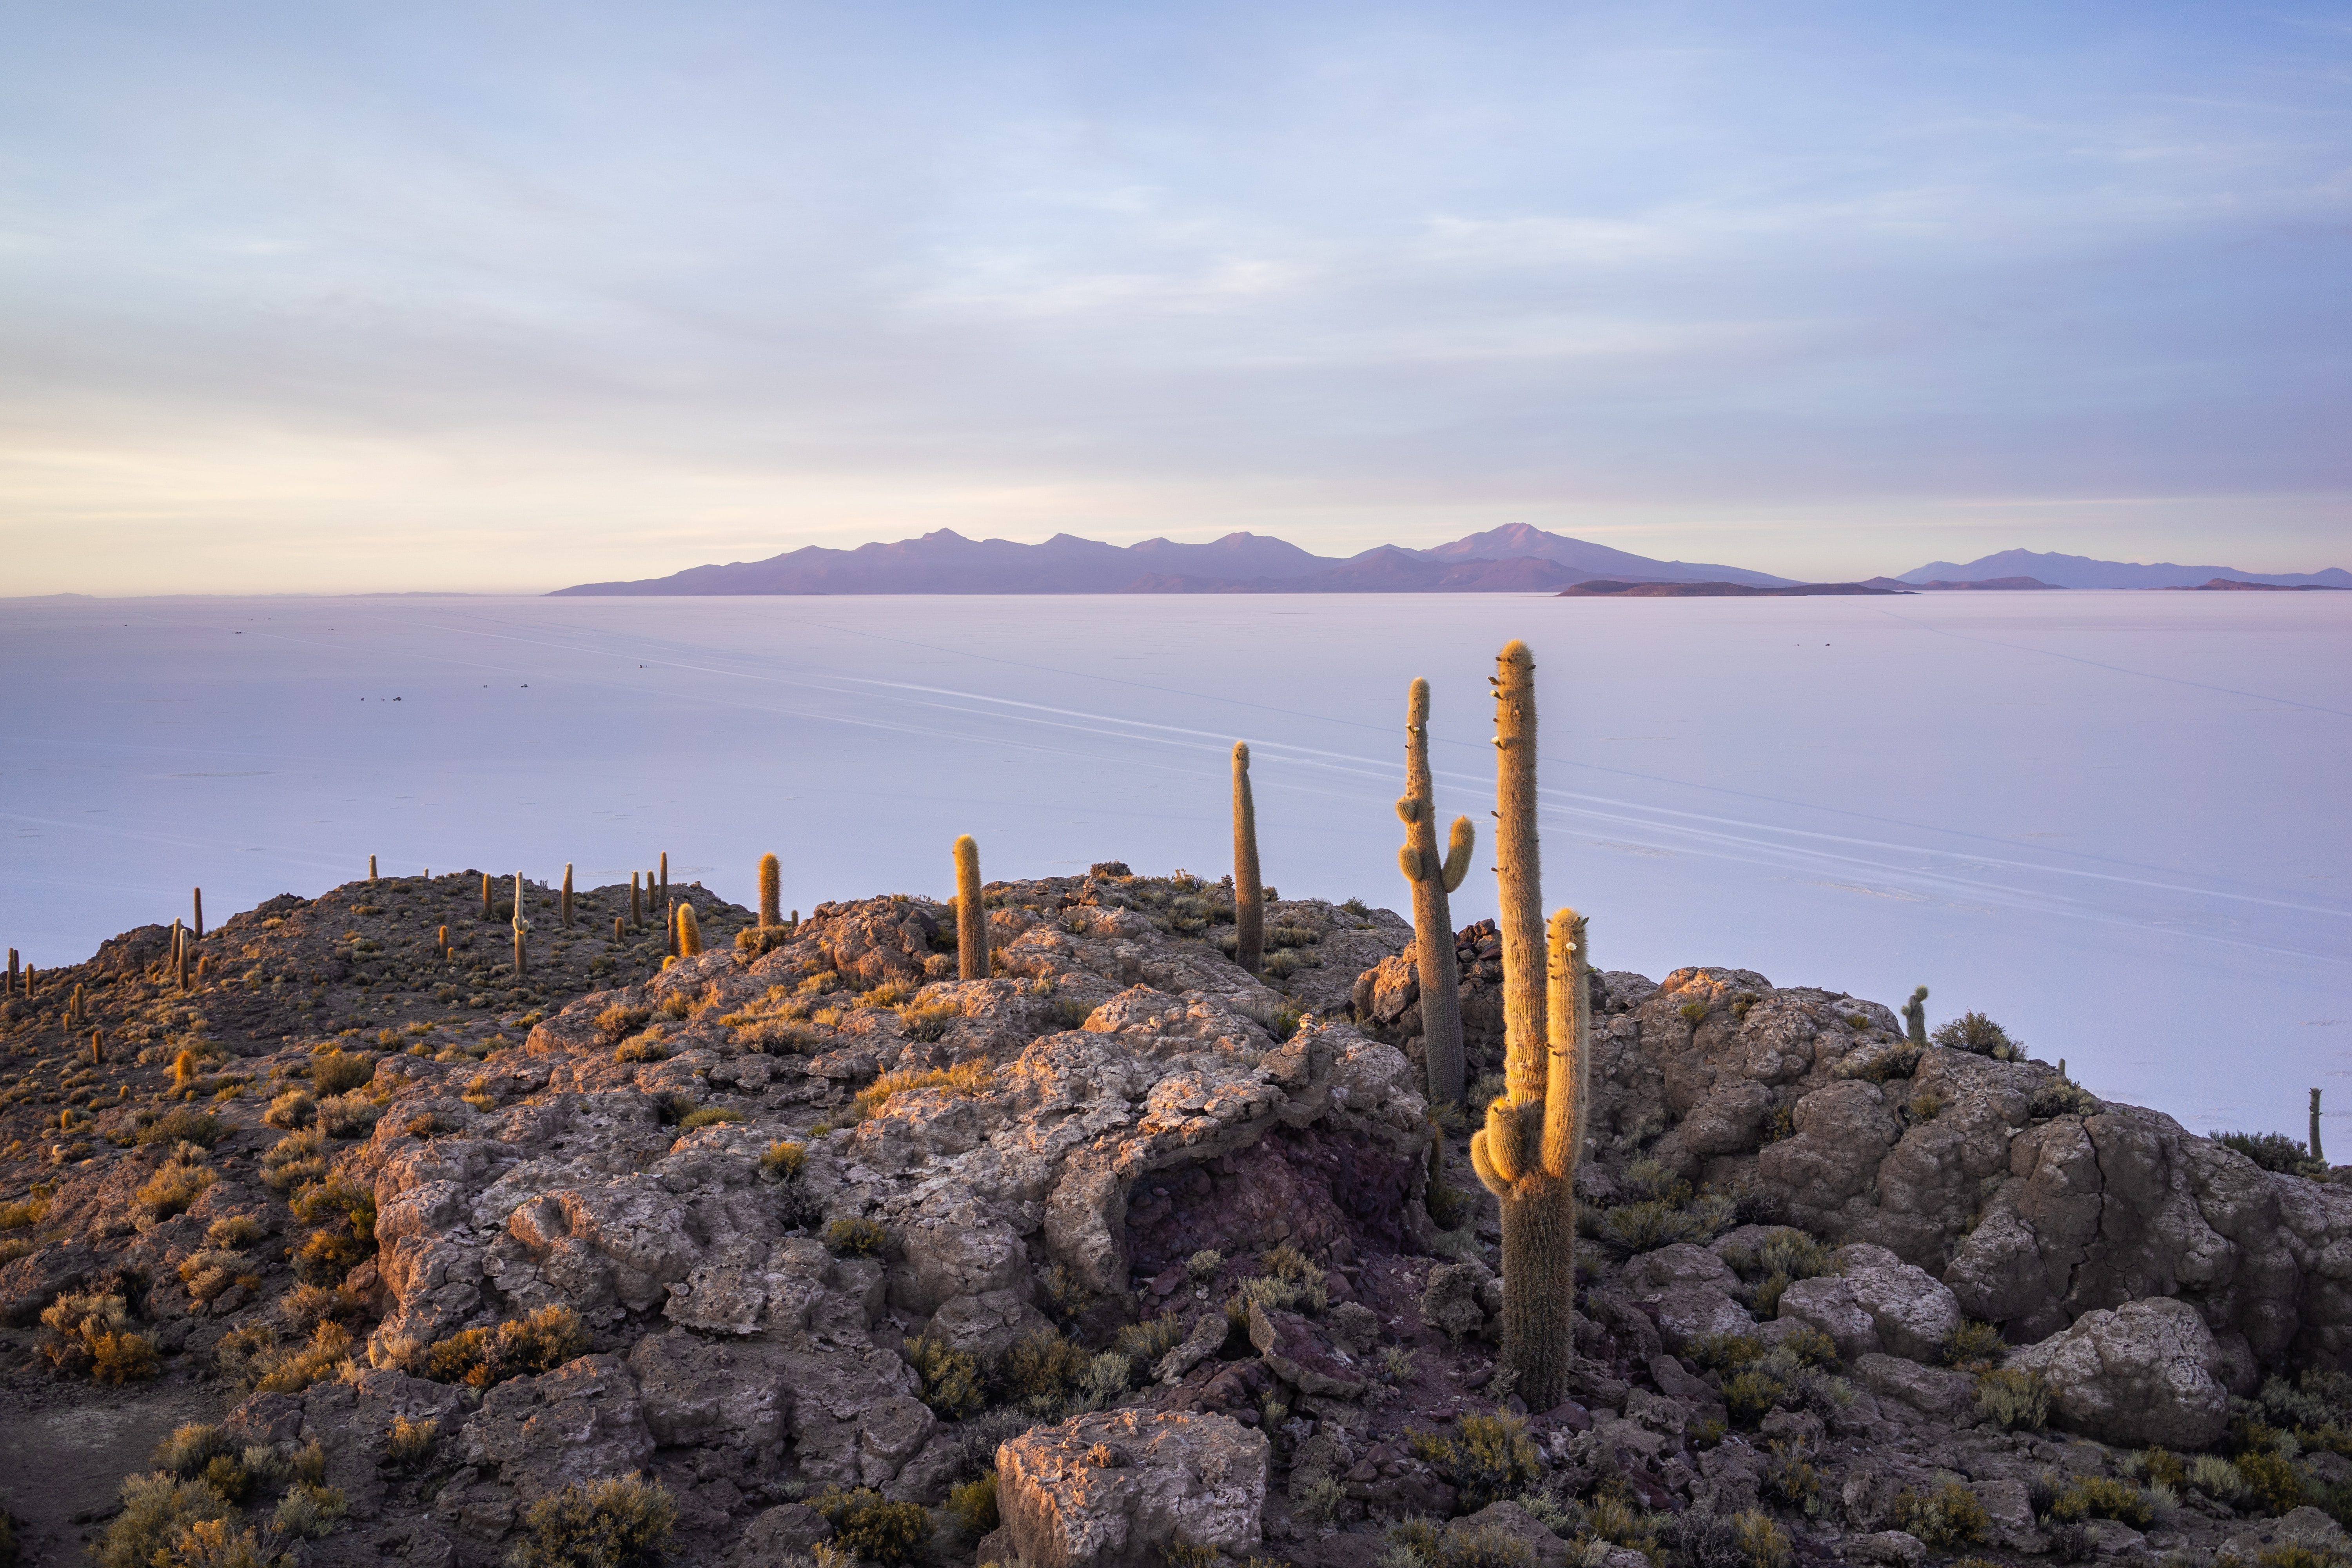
2082 572
1515 559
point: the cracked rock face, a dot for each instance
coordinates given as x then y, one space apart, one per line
2142 1374
1114 1490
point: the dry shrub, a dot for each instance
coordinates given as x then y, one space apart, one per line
964 1077
784 1160
889 1533
857 1237
172 1188
293 1108
525 1347
619 1020
352 1115
183 1126
410 1443
710 1116
310 1510
338 1070
93 1333
297 1367
972 1505
157 1511
295 1160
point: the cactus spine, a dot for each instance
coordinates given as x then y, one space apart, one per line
689 934
567 895
971 918
772 892
1432 919
2315 1154
200 914
1249 891
1915 1017
1527 1155
521 931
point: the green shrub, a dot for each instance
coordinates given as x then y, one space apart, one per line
174 1188
310 1511
1947 1518
2060 1098
951 1377
2103 1496
1750 1394
628 1522
2271 1152
1974 1347
2272 1481
539 1341
157 1511
183 1126
1761 1541
1043 1363
293 1108
338 1070
2216 1477
1879 1066
1724 1352
1975 1033
889 1533
1790 1476
2014 1400
972 1505
857 1237
1487 1458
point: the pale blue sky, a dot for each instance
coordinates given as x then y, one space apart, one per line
507 296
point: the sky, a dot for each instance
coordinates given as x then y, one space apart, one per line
340 297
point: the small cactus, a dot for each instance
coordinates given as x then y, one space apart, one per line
1915 1017
567 895
772 892
689 934
1249 890
972 916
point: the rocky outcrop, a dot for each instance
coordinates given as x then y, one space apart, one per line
2142 1374
1117 1489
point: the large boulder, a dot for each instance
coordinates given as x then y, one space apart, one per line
1911 1309
1115 1488
2140 1375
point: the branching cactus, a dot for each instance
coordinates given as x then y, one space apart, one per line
1432 919
1915 1017
1249 890
690 933
772 892
1527 1155
522 932
971 918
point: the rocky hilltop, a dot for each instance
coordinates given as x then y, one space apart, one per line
800 1248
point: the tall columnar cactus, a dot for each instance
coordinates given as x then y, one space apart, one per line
772 892
180 953
12 972
98 1048
1249 890
567 895
637 910
1518 871
371 868
200 914
669 920
665 875
690 933
2315 1154
441 943
521 933
972 917
485 896
1432 919
619 936
1527 1155
1915 1017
